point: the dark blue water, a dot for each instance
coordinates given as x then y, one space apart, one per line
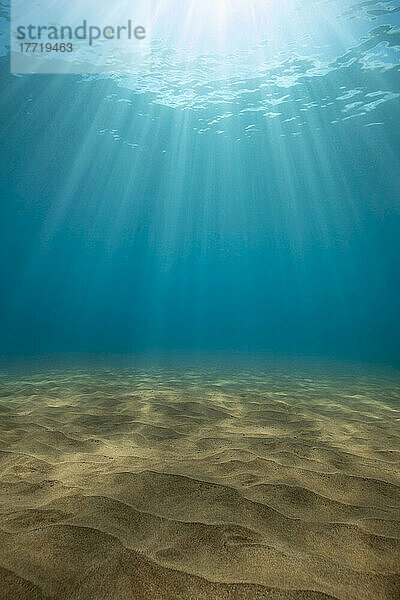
252 212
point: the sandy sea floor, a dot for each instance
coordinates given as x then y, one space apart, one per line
199 485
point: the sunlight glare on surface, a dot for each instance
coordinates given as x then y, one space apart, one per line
216 25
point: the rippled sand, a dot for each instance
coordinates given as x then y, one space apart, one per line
155 485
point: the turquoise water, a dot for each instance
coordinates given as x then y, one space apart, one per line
239 193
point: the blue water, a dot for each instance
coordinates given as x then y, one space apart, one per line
237 198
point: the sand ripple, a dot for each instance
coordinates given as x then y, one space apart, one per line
154 484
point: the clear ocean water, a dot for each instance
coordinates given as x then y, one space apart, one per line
240 194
